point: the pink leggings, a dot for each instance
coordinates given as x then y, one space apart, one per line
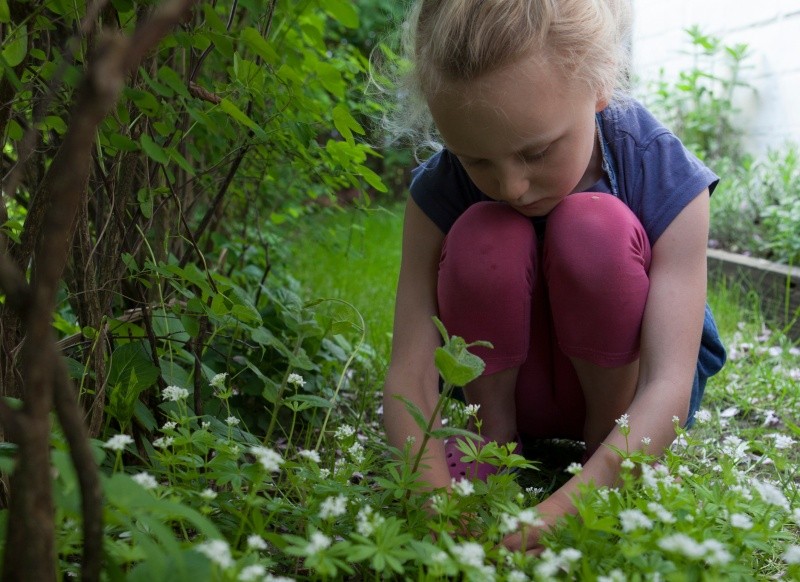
578 294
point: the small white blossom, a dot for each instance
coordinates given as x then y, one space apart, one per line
218 551
296 380
633 519
252 573
770 494
343 432
661 512
574 468
356 453
208 494
367 521
676 420
146 480
716 553
232 421
570 554
269 459
516 576
256 542
218 381
646 440
333 507
472 409
682 544
627 464
169 425
741 521
796 516
205 425
118 442
702 416
615 575
623 421
311 455
174 393
791 555
318 542
163 442
508 523
462 487
273 578
469 554
783 441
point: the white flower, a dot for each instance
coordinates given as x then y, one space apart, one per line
775 351
318 542
791 555
273 578
208 494
296 379
118 442
646 440
716 554
367 521
218 551
702 416
782 441
169 425
218 381
570 554
462 487
469 554
146 480
174 393
310 455
472 409
232 421
256 542
163 442
574 468
530 517
627 464
676 420
682 544
735 448
632 519
344 431
205 425
516 576
796 516
741 521
623 421
356 453
770 494
661 512
252 573
269 459
615 575
333 507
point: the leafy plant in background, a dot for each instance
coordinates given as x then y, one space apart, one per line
699 104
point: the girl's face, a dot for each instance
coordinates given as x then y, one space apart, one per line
525 134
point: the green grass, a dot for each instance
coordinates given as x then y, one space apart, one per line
353 256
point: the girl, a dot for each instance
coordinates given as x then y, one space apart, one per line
560 222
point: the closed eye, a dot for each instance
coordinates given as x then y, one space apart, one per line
534 156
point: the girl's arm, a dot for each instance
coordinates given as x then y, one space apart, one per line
670 342
412 372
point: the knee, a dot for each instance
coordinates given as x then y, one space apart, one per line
491 244
598 235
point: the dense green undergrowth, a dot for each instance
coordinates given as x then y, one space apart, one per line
294 480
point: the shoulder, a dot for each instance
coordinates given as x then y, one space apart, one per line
630 121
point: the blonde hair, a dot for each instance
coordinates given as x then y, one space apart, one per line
460 40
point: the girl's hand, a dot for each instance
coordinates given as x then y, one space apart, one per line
550 511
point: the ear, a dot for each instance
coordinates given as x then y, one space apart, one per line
602 103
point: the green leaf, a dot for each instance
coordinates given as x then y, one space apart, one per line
373 179
343 11
153 150
414 411
346 123
15 50
240 116
131 366
258 44
5 14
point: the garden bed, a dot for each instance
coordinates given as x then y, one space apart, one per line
777 285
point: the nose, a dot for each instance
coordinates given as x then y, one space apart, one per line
512 185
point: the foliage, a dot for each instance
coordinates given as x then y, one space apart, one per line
699 105
756 209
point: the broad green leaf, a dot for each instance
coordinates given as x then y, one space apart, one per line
153 150
5 15
16 49
240 116
457 371
373 179
131 366
258 44
346 123
342 10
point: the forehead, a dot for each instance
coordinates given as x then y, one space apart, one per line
519 106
